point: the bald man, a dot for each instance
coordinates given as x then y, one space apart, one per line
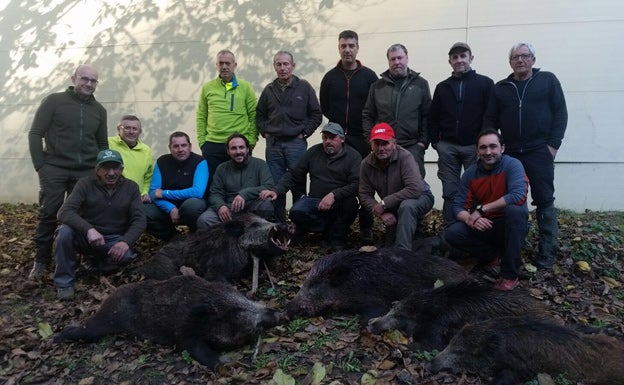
72 124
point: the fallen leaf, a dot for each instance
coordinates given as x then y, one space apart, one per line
281 378
318 373
45 330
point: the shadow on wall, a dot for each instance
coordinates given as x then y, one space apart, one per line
153 58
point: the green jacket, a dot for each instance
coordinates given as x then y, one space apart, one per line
74 131
222 111
138 162
247 180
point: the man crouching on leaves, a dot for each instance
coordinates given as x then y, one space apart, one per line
103 217
491 209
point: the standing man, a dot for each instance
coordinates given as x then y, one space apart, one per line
138 158
177 189
530 110
391 172
455 119
331 206
226 105
288 113
103 217
491 210
343 93
73 126
402 99
237 184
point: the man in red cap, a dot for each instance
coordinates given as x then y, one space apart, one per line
390 171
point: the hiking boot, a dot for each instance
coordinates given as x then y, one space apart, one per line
65 293
38 270
506 284
493 267
543 263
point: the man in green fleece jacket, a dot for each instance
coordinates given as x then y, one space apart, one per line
73 126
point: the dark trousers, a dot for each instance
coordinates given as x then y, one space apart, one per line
361 145
159 222
334 223
215 154
504 239
54 184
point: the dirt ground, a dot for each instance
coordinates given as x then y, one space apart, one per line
332 350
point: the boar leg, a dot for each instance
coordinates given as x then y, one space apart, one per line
92 330
202 352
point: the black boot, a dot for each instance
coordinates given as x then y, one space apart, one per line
548 230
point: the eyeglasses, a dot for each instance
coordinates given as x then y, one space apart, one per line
524 56
88 80
129 128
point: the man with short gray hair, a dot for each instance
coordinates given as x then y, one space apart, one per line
402 99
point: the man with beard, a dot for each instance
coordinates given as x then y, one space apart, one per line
331 205
402 99
288 113
491 210
103 217
177 189
73 126
343 93
138 158
237 184
390 172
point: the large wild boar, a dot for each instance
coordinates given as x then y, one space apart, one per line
515 349
189 312
367 283
222 251
433 316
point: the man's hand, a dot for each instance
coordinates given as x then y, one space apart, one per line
268 194
175 215
477 222
118 250
145 198
553 151
94 237
378 210
388 219
237 204
158 193
225 215
327 202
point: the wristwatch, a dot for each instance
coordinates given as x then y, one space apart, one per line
480 210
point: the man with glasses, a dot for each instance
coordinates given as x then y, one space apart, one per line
138 158
530 110
72 124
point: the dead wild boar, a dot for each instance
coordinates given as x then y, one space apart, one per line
189 312
367 283
433 316
221 251
515 349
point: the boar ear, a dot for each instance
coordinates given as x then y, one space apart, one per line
234 228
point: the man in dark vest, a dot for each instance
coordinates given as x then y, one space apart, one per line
177 189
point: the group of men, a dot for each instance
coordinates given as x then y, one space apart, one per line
370 162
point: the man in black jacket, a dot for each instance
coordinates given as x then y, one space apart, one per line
530 110
455 119
343 93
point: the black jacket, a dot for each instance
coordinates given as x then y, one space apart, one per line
342 99
458 106
528 117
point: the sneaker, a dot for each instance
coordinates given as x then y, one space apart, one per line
65 293
543 263
506 284
38 270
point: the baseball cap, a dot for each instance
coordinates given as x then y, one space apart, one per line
333 128
459 46
108 156
382 131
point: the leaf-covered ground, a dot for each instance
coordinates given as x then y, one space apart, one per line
332 350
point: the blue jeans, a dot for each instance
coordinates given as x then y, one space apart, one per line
334 224
283 154
451 158
504 239
69 241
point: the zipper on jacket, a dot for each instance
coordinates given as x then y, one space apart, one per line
232 102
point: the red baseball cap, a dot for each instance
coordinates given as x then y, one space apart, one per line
382 131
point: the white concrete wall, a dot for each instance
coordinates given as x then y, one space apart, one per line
153 57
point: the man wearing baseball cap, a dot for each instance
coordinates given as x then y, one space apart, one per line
102 218
331 204
455 120
390 171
